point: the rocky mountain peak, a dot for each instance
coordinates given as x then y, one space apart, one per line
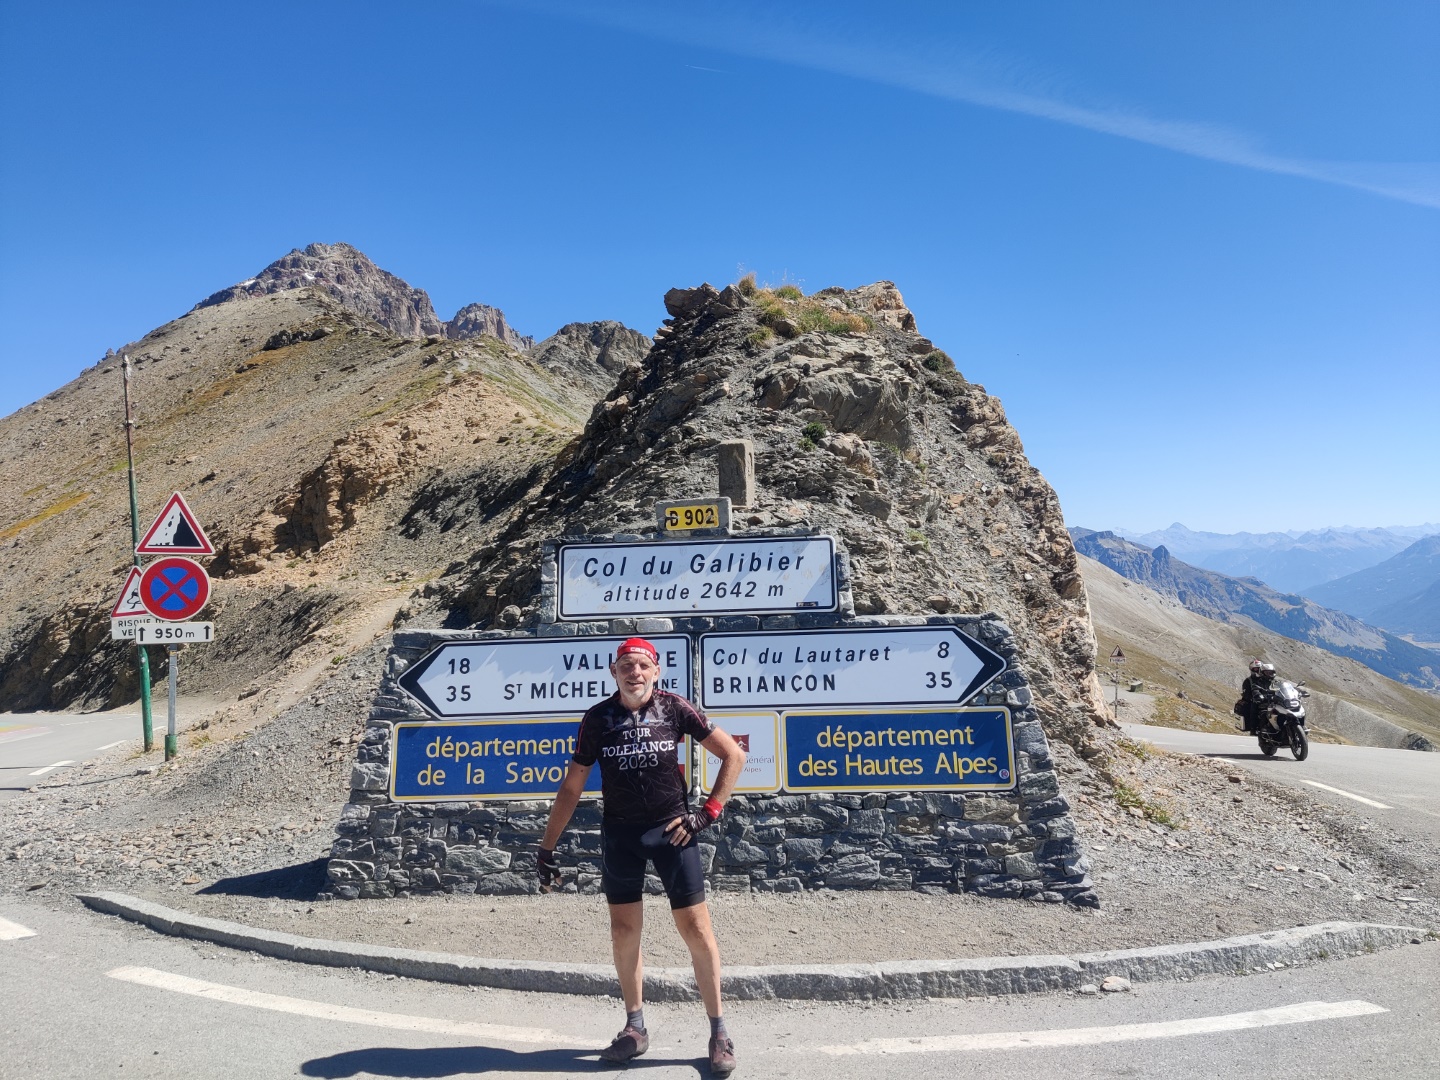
475 320
348 275
861 428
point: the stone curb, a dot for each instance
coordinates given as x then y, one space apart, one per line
809 982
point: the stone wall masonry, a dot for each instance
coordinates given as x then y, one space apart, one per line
1017 844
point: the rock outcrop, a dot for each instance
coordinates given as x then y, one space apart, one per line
861 428
595 353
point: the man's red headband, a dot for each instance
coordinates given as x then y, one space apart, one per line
640 645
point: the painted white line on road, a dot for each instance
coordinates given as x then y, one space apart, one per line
1348 795
111 745
320 1010
51 768
25 733
13 931
1304 1012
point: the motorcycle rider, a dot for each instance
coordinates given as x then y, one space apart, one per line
1252 693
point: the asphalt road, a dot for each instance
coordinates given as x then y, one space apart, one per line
35 746
1396 789
92 996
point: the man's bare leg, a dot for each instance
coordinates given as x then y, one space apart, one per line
694 926
625 923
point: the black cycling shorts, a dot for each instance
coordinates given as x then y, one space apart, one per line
628 847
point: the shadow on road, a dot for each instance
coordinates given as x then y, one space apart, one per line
303 881
468 1060
1256 756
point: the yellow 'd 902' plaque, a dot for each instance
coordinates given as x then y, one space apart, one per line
677 517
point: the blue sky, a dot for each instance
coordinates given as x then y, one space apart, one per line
1194 248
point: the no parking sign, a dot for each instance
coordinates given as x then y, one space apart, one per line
174 589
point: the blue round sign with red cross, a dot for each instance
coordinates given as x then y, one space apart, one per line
174 588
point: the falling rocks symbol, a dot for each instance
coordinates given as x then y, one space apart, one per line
174 588
175 532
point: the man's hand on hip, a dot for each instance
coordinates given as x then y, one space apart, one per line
692 824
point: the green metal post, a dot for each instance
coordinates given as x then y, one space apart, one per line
142 659
171 745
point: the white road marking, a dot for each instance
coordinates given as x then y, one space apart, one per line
51 768
1348 795
13 931
1302 1013
24 733
111 745
320 1010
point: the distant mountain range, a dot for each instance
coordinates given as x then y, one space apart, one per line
1231 599
1288 561
1401 594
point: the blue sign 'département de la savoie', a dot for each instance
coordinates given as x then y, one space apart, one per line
488 759
509 759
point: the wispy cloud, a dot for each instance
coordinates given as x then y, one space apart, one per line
987 81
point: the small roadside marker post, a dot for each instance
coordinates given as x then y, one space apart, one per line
142 658
1116 659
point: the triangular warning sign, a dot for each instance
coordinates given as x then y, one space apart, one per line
129 602
1118 655
175 532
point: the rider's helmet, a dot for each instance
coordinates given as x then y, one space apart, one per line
1267 672
1255 667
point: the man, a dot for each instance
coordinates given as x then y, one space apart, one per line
635 734
1261 678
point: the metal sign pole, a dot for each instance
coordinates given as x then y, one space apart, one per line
171 747
142 658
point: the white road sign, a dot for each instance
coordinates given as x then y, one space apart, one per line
174 633
893 665
698 577
531 676
123 628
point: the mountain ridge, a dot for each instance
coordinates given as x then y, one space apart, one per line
1400 594
1193 666
1291 561
1228 599
320 450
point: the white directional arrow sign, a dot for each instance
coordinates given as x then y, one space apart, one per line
530 676
892 665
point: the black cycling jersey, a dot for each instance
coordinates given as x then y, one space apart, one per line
640 777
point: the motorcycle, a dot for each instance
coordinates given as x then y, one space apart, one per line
1281 720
